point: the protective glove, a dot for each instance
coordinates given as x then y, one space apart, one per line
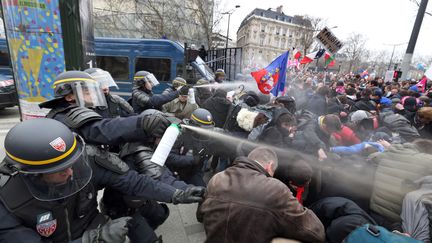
184 89
155 125
190 195
113 231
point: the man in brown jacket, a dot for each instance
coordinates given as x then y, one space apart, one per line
245 204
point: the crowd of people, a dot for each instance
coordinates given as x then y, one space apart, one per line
343 159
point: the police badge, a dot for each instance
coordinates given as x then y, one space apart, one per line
46 225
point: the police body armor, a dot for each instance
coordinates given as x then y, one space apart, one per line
141 158
55 221
117 107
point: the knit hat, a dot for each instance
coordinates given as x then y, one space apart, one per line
360 115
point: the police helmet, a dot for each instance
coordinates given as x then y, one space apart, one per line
103 77
178 82
87 92
38 148
202 118
141 77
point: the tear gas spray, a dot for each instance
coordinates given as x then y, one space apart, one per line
166 143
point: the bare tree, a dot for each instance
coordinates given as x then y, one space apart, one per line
355 49
185 21
308 28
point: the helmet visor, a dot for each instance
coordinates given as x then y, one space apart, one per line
61 184
104 79
152 79
89 94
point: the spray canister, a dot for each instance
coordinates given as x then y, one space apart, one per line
191 96
164 148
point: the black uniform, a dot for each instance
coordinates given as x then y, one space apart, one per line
98 130
117 107
145 99
71 216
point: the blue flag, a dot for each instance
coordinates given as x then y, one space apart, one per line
272 78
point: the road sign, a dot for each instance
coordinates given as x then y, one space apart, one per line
329 41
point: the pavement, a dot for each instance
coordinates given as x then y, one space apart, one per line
180 227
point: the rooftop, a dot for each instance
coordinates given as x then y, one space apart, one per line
276 15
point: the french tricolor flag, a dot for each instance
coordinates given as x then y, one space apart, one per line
312 56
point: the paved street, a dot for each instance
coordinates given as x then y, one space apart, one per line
181 226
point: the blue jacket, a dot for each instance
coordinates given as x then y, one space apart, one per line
355 149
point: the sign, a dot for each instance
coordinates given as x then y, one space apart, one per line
330 42
388 76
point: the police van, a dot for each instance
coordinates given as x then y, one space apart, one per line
124 57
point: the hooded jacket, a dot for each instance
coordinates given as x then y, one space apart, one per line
244 204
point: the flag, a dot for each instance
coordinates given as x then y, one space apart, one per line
422 84
296 54
294 63
329 60
311 56
272 78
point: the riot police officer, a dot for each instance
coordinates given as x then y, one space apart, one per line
116 105
57 178
76 92
142 94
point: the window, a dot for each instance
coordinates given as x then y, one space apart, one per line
117 66
4 59
160 67
263 27
278 29
262 41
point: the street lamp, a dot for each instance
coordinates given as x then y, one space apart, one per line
229 17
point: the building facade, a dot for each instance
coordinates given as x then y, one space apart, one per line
265 34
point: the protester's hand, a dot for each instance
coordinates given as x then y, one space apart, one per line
190 195
343 114
155 125
321 155
113 231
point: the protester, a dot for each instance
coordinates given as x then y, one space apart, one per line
245 198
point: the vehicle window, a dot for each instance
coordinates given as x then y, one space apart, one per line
4 59
161 68
117 66
192 74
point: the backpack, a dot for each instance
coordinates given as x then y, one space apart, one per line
371 233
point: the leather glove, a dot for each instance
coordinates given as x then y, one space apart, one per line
113 231
184 89
155 125
190 195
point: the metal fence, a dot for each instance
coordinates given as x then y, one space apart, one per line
229 59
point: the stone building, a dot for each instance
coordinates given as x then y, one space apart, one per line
265 34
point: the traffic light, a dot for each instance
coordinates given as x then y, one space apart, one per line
397 75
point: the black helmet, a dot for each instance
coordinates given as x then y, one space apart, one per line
42 146
202 118
86 90
141 77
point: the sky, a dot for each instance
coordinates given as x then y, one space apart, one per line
382 22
